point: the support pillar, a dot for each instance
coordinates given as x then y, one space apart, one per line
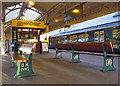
38 46
2 31
0 42
47 28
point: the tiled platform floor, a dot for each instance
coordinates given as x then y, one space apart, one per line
61 71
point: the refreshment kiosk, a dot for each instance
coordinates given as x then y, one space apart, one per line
27 32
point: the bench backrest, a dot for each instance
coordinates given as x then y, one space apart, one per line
66 46
93 47
89 46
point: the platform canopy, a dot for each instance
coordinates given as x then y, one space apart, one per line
62 12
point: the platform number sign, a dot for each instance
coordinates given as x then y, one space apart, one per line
24 66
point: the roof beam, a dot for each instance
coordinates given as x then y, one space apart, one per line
25 5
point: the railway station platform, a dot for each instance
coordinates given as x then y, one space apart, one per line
60 71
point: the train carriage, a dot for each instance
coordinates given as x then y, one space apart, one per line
109 32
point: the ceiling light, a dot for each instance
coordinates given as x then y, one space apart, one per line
75 11
56 20
31 3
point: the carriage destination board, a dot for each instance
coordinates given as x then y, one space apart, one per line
28 24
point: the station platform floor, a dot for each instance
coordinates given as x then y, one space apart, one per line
60 71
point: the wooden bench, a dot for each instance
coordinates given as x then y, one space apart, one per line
100 49
23 60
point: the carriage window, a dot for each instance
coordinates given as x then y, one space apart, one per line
99 36
73 38
57 39
116 38
83 38
64 39
116 34
96 37
86 37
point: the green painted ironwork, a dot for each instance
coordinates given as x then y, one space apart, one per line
108 61
18 51
75 56
13 64
58 54
24 69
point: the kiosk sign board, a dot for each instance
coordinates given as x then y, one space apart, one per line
27 24
44 47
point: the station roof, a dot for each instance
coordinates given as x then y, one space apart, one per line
49 11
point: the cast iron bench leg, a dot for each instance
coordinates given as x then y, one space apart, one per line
24 69
58 54
108 64
108 61
75 57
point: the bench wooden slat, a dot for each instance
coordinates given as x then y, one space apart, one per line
64 46
18 57
97 54
89 46
93 47
65 51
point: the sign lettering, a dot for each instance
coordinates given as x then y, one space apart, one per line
30 24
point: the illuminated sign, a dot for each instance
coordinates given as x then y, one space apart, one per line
28 24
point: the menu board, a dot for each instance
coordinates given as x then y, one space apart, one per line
14 35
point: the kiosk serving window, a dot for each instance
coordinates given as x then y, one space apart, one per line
27 35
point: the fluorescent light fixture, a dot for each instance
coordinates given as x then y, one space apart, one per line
31 3
75 11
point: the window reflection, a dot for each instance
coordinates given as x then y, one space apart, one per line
99 36
73 38
64 39
83 38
